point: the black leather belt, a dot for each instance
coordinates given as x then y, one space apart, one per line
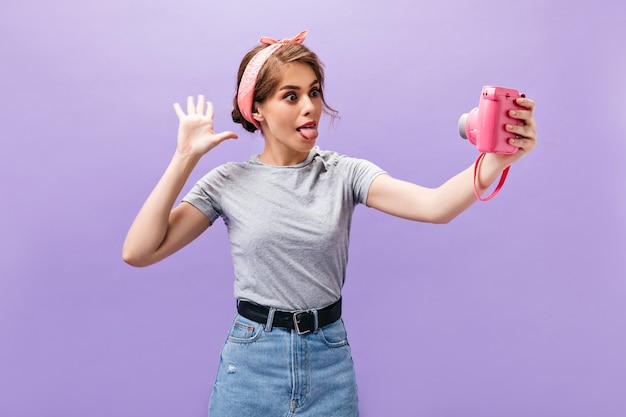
303 322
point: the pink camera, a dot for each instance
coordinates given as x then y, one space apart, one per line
484 126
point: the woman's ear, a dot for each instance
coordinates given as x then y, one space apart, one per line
257 114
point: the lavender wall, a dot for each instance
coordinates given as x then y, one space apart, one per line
515 309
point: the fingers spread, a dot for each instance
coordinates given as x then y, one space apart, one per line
209 110
195 109
226 135
178 110
200 105
191 109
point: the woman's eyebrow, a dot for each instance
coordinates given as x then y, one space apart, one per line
295 87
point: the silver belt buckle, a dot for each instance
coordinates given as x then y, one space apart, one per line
296 322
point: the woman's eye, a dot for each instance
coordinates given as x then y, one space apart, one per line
291 97
315 92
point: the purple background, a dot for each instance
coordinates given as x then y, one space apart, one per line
514 309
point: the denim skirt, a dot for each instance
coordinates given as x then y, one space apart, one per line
275 372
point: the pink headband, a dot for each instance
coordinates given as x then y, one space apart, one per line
245 95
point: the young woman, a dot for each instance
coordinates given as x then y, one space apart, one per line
288 212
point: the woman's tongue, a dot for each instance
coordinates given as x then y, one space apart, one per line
309 133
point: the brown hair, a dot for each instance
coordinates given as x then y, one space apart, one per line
271 73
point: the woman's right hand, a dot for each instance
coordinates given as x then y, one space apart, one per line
195 129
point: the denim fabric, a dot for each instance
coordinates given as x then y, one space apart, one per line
274 372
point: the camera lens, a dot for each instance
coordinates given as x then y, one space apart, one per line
462 125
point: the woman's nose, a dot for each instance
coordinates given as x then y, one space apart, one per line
307 105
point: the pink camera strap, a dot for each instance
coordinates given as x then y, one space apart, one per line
500 183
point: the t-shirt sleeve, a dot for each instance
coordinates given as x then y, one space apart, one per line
205 194
362 173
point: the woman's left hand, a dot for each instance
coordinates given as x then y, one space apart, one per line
523 136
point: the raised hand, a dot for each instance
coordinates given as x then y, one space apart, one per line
195 129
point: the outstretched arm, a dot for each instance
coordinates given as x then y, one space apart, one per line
158 230
444 203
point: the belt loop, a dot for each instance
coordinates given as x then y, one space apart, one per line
270 320
315 321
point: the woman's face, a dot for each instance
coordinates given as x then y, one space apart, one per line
289 117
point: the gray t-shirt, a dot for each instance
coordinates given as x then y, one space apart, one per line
289 227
